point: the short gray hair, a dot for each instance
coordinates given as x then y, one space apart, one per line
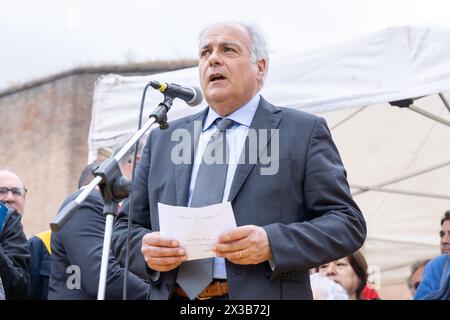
417 264
258 46
87 175
129 154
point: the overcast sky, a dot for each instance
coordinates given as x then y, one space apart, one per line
40 38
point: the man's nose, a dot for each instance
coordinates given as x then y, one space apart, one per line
446 237
331 270
9 196
215 58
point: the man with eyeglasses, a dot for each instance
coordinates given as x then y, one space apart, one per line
12 191
14 255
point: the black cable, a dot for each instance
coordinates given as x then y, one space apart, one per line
130 211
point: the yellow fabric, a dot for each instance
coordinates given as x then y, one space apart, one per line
45 237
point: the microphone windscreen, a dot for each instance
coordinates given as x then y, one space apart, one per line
197 99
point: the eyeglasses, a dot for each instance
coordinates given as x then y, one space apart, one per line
17 192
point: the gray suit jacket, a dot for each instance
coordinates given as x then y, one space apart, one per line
306 208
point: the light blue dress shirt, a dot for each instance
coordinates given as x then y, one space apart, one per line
235 138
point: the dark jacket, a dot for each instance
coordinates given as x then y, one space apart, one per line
306 208
14 257
76 257
40 263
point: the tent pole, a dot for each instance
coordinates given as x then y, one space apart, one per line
404 192
347 118
415 243
445 101
401 178
429 115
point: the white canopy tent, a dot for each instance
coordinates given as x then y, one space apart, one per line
350 85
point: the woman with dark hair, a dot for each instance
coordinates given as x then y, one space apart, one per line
350 272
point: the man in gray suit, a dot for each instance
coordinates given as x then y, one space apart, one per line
292 214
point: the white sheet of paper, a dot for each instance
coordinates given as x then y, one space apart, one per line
197 229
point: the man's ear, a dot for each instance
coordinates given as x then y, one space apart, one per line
262 67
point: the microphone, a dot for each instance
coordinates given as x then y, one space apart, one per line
192 96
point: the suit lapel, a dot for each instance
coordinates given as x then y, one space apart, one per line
265 118
183 170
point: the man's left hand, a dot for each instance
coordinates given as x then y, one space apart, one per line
244 245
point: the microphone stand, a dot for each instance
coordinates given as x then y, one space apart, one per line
113 187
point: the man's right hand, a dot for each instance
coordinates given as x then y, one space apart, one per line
162 254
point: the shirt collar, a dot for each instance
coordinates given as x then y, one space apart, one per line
243 115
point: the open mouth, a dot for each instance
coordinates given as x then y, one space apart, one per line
216 77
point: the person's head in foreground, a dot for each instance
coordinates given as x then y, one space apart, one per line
350 272
12 191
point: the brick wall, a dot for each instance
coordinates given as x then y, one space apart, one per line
44 141
44 138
